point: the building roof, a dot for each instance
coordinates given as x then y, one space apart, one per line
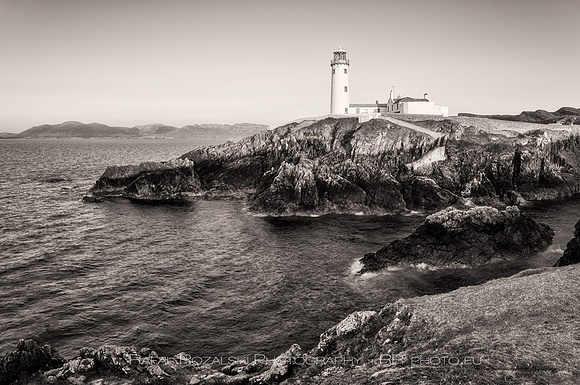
408 99
368 105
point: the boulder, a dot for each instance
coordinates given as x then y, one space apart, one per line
281 367
351 324
456 237
28 357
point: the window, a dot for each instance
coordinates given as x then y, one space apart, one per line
345 89
345 71
333 71
346 110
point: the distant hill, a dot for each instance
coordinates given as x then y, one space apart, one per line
565 115
155 129
240 130
73 129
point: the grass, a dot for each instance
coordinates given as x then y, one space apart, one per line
523 329
527 324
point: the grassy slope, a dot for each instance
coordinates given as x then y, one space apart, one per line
519 330
528 323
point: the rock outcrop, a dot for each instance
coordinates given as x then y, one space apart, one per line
32 364
572 253
171 181
309 186
28 357
464 237
331 165
379 166
341 165
535 165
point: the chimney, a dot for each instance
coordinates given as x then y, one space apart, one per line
426 96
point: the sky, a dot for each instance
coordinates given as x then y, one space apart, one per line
177 62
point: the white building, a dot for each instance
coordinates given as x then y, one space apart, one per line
407 105
339 96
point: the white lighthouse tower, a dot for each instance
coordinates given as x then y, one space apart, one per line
339 101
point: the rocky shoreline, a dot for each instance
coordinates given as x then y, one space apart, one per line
338 165
439 338
501 332
403 342
505 331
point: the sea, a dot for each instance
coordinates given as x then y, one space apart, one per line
209 279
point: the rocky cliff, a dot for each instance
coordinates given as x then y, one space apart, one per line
331 165
387 165
486 165
381 166
464 237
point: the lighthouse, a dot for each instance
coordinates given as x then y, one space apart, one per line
339 101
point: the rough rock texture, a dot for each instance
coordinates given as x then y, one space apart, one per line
47 367
340 165
464 237
379 166
572 252
487 165
109 365
281 368
148 182
343 160
331 165
27 358
331 339
309 186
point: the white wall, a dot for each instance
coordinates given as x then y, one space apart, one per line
423 108
420 108
339 98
